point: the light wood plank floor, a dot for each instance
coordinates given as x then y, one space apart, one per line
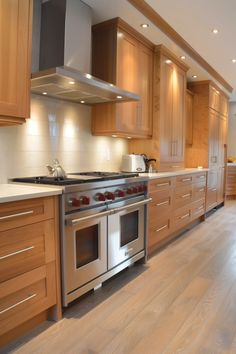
182 301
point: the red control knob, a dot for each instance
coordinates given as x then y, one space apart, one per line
85 200
75 202
140 189
100 197
135 190
129 191
120 193
110 195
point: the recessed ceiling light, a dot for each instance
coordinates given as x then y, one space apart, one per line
194 76
114 136
71 82
144 25
111 85
45 93
215 30
168 61
129 137
234 61
88 76
183 57
82 101
119 97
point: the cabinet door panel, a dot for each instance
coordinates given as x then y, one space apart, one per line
213 139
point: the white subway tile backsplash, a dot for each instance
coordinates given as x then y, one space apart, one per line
56 129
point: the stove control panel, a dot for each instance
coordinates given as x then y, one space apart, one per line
101 196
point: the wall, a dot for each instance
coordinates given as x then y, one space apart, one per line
232 130
56 129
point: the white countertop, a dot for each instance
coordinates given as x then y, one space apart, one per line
13 192
185 171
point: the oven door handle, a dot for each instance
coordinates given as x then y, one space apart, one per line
87 218
128 206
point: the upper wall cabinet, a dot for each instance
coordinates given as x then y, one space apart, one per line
169 97
124 58
15 60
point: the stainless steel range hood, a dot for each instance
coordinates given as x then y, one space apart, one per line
63 55
71 85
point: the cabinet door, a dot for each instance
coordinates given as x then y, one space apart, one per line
222 141
213 139
15 52
178 114
214 99
127 79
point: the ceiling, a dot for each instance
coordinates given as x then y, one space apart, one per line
194 23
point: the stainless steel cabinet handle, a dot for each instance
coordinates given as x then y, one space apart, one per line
203 176
161 228
175 166
213 189
184 216
201 190
86 218
163 203
142 202
17 304
201 207
128 251
185 179
163 184
17 252
185 195
16 215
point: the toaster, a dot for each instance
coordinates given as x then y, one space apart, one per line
133 163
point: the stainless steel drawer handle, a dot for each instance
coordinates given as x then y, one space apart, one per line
163 203
184 216
185 195
161 228
201 190
203 176
128 251
163 184
185 179
18 303
213 189
200 208
17 252
16 215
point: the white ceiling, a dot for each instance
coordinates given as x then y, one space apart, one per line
193 20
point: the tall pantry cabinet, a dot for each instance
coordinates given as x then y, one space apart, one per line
124 58
167 145
209 144
15 60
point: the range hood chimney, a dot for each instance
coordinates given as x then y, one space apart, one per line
65 52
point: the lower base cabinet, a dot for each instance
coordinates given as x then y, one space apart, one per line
176 203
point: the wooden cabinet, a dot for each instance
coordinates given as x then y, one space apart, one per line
124 58
231 182
176 202
29 264
15 64
189 118
168 141
208 149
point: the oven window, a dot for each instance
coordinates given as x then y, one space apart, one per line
128 227
86 245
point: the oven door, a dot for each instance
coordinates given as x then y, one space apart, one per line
85 248
126 232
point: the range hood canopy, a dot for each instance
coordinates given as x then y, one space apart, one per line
68 84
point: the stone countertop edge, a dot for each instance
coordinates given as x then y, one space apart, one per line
14 192
231 164
154 175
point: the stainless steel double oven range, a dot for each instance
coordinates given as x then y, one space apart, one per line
103 227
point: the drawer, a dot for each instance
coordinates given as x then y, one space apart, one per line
26 296
184 180
199 191
25 248
182 217
198 209
211 198
161 203
200 177
158 231
183 196
160 184
19 213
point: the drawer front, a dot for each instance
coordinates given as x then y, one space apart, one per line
16 214
184 180
25 296
160 184
159 231
199 191
200 177
211 198
198 209
25 248
183 196
182 217
161 203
